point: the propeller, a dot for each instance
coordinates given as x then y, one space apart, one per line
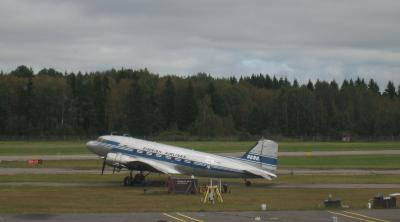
104 165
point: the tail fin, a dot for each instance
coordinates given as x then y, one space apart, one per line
263 155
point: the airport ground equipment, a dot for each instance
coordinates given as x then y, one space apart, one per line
332 203
182 186
35 162
212 193
380 201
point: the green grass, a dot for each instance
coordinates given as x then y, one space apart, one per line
70 178
116 198
127 199
337 146
339 162
42 147
282 179
337 179
241 146
68 164
78 147
310 162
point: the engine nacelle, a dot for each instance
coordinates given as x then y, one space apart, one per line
117 159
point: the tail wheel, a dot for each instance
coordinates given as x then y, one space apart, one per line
247 183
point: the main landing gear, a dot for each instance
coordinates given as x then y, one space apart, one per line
247 183
138 179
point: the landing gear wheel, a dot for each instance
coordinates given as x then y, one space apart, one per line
247 183
127 181
139 178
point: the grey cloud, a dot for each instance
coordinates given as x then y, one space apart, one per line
307 39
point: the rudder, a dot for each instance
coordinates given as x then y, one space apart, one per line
264 154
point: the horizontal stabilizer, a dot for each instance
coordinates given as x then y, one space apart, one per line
261 173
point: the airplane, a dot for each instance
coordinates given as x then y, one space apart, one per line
120 152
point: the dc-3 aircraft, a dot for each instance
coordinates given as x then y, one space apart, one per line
146 156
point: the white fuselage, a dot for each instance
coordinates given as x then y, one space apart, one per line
186 161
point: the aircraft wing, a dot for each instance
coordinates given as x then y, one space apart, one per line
150 165
261 173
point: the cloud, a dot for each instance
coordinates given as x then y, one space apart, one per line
306 39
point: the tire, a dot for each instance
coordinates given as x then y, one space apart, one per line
139 179
248 183
127 181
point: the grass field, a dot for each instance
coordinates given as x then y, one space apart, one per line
78 147
116 198
282 179
239 146
310 162
341 162
128 199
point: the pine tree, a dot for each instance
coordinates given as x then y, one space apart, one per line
168 103
373 86
216 100
139 110
390 90
23 72
188 108
295 84
310 86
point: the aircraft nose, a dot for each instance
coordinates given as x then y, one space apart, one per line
92 146
97 148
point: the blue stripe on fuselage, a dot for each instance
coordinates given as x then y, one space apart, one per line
163 158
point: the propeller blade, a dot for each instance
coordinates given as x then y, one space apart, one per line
114 169
104 165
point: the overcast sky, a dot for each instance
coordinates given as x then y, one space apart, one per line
307 39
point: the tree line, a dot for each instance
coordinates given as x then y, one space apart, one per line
141 103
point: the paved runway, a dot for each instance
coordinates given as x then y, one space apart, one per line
236 154
279 216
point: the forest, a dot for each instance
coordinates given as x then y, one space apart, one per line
141 103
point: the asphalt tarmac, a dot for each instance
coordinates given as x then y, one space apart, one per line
279 216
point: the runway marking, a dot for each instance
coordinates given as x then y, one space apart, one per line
178 219
191 218
344 215
350 212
